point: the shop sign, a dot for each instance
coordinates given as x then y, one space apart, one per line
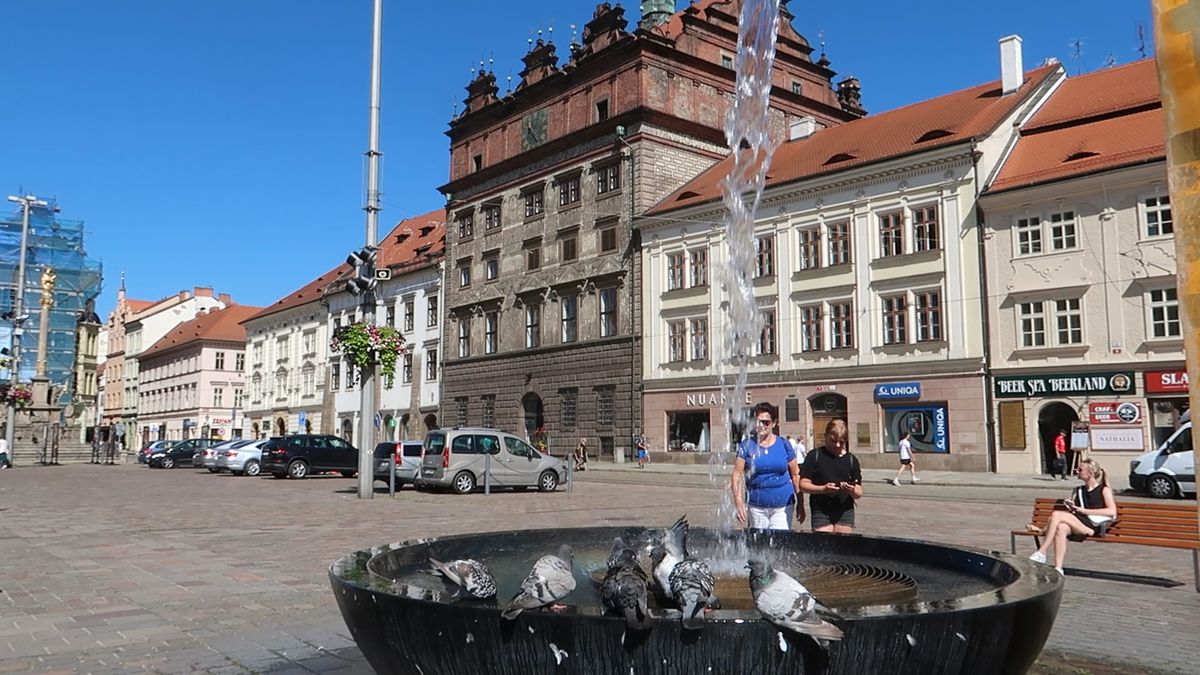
712 399
1118 439
1111 412
222 420
1029 386
898 391
1166 382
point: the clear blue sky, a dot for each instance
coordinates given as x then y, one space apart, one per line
219 142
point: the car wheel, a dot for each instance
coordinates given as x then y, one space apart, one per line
348 474
1162 486
251 468
548 481
213 469
168 463
298 469
464 482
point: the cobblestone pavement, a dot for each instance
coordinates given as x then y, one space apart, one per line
126 569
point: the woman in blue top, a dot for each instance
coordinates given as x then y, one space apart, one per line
766 477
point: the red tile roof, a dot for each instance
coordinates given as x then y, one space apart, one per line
218 325
136 306
1103 120
946 120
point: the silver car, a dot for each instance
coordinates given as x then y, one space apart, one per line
458 459
206 458
244 457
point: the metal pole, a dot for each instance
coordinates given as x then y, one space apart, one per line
487 474
14 373
366 456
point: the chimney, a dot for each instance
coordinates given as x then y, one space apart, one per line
803 128
225 299
203 292
1012 74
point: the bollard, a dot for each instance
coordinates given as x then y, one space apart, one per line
487 474
570 475
392 475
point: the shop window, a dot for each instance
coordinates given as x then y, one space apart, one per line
688 430
928 425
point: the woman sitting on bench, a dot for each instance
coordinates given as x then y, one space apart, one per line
1087 513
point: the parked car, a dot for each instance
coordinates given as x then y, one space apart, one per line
242 458
457 459
148 449
408 461
1170 470
206 458
180 454
304 454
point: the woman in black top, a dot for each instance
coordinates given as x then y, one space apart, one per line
1086 513
833 479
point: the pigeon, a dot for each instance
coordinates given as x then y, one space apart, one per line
624 587
671 550
550 580
691 587
787 603
471 576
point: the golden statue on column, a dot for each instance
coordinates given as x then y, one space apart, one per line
49 277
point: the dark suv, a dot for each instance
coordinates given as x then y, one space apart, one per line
298 456
183 452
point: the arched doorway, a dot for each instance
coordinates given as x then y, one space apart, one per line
389 427
825 409
280 426
431 422
405 426
1053 418
531 406
348 430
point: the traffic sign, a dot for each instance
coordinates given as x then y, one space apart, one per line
378 420
302 418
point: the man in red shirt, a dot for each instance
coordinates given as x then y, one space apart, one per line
1060 454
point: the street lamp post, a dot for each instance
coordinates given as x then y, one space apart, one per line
27 202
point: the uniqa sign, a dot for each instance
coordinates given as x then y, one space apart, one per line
939 429
898 391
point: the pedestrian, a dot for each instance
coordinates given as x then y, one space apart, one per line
832 477
1088 512
906 460
766 476
5 462
801 451
643 451
1060 455
581 457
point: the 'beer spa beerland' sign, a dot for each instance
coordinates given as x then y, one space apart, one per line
1076 384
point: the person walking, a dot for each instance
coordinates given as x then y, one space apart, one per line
906 460
5 462
643 452
581 456
1060 454
832 477
766 476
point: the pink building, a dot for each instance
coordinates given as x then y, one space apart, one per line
190 382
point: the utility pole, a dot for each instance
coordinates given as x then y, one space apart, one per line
27 202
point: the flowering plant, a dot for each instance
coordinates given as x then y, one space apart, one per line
538 439
368 344
18 396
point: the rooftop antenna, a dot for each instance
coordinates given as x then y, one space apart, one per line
1141 41
574 34
1077 53
550 36
1110 61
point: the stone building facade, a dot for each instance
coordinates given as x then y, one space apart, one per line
543 267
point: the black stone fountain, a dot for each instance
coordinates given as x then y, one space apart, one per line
905 606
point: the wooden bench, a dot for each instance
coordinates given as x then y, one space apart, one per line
1147 524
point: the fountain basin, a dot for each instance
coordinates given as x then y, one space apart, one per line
923 609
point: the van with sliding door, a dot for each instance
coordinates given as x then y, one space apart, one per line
1169 471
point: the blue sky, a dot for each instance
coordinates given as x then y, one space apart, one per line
219 142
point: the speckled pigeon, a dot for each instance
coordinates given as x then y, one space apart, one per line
550 580
624 587
787 603
471 576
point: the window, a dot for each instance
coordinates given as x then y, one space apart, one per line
1032 319
568 190
1158 216
570 401
258 350
925 229
810 328
477 162
568 247
1164 313
608 312
533 326
308 383
895 320
239 398
608 239
891 234
570 312
491 329
464 273
608 178
726 61
491 268
409 310
1029 236
604 405
491 217
810 248
239 361
699 341
796 87
1062 230
676 339
675 262
764 258
432 319
406 368
1069 318
431 364
601 110
839 243
461 410
349 376
466 225
309 342
534 202
766 339
489 410
464 337
533 254
218 397
841 325
698 268
220 361
929 316
391 316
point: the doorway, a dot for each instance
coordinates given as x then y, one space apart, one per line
1053 418
531 405
825 409
431 422
348 430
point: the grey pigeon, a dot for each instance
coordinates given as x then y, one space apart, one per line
691 587
787 603
673 548
625 586
550 580
471 576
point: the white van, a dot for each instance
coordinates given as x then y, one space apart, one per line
1169 471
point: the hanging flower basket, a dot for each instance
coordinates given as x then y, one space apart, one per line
17 396
367 344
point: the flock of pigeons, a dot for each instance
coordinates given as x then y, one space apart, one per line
673 573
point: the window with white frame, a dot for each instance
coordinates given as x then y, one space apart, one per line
839 243
675 263
239 398
895 319
432 318
891 234
608 311
466 225
239 362
491 268
1158 216
464 337
810 248
568 190
1068 318
491 217
406 368
308 382
409 311
1031 316
533 326
464 273
534 202
350 376
335 375
309 342
766 339
929 315
698 267
220 361
926 235
608 178
570 319
699 339
1062 230
218 397
764 256
431 364
1029 235
491 332
390 320
810 328
841 325
676 340
1164 313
